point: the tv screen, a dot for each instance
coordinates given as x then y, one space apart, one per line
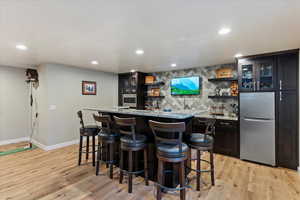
185 85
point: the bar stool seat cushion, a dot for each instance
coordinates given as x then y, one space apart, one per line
108 136
89 130
171 150
140 140
201 140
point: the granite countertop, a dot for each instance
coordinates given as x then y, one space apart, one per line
148 113
217 117
206 114
182 114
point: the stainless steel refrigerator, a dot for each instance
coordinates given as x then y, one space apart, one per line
257 127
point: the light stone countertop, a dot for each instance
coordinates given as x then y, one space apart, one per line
180 114
217 117
147 113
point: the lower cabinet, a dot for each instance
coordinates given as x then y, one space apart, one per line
226 139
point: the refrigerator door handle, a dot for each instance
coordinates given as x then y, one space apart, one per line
257 119
280 96
280 84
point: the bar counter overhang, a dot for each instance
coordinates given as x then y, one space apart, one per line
142 127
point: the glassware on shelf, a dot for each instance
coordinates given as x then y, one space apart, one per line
247 76
266 76
217 109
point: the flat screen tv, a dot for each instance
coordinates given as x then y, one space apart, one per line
186 85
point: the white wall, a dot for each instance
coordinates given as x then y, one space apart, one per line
14 104
60 86
41 95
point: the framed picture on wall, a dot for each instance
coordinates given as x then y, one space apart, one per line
89 88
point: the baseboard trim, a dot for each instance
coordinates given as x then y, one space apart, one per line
12 141
38 144
55 146
61 145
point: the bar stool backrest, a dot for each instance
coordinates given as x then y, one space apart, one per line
161 130
105 121
79 114
209 126
126 126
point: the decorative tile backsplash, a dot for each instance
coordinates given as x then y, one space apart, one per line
195 102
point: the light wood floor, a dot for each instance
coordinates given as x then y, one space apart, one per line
13 146
54 174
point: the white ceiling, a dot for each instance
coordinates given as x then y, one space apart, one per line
74 32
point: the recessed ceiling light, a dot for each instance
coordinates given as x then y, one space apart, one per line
139 51
224 31
94 62
133 70
173 65
21 47
238 55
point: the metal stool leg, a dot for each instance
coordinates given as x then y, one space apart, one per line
146 166
198 169
111 158
159 179
94 149
87 147
121 166
212 172
130 169
80 150
99 152
107 154
182 180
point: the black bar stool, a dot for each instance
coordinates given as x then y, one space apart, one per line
87 131
107 141
170 148
204 142
131 142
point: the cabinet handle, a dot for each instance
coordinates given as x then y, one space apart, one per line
280 96
280 85
225 123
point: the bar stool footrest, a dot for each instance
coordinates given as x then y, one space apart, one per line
174 189
207 161
88 152
110 162
195 170
136 172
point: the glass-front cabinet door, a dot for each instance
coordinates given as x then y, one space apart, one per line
246 75
265 74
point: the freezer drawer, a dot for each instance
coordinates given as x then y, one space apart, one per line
257 140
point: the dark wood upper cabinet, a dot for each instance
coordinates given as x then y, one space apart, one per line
287 134
257 74
132 83
265 74
287 65
246 74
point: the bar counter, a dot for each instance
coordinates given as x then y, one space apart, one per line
142 127
145 113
